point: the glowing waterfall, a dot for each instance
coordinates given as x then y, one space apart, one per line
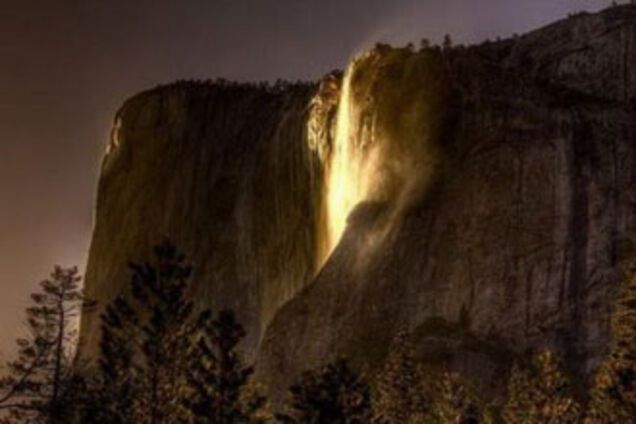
349 169
381 147
343 185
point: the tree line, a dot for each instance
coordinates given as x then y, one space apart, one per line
162 362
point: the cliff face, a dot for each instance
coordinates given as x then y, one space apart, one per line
478 197
220 170
514 240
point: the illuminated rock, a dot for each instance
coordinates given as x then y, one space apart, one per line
223 170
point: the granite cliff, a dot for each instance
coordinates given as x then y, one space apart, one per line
220 170
479 197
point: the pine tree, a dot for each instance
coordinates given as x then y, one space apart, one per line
161 363
518 407
400 394
447 44
454 402
144 345
220 382
614 389
41 381
542 394
113 394
332 395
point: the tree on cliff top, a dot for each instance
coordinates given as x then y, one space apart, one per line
40 386
447 44
334 395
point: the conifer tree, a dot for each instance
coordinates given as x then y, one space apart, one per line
41 383
542 394
220 382
144 345
614 389
332 395
401 396
455 402
447 44
113 394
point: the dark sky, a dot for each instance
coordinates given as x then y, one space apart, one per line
66 65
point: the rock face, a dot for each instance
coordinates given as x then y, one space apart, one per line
478 197
221 170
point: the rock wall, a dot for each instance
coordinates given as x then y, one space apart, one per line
514 245
489 196
222 170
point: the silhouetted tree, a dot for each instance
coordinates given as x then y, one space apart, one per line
161 363
220 382
145 343
447 44
334 395
117 385
40 386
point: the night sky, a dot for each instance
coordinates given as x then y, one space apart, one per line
66 66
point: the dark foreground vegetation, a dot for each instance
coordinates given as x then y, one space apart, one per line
163 362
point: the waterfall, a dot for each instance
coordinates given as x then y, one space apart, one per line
347 168
351 164
378 148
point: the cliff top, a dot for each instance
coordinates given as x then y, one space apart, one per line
535 55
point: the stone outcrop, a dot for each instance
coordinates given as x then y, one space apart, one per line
502 197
